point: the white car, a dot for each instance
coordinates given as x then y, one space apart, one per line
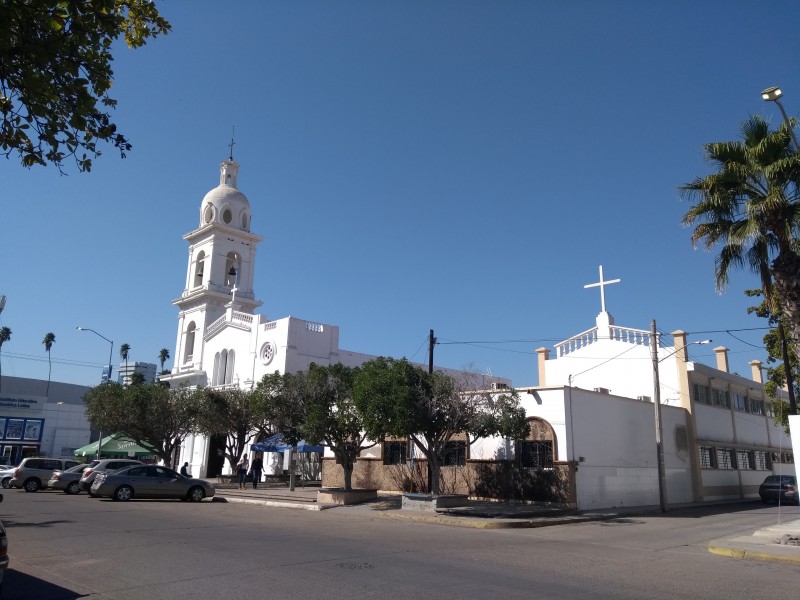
6 474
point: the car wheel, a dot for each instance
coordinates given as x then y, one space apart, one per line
73 488
196 494
31 485
6 482
123 493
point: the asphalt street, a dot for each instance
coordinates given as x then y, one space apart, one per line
64 547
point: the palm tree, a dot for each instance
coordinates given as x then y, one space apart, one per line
5 335
48 342
751 206
124 349
163 356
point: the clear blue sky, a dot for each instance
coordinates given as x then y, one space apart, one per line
457 166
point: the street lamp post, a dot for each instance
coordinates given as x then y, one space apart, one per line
662 474
110 354
773 94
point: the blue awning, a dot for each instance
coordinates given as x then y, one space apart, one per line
276 443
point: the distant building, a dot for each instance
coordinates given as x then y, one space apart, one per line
124 372
34 421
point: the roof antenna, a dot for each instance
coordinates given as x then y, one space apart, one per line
233 143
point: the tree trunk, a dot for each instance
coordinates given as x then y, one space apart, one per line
347 474
786 272
435 470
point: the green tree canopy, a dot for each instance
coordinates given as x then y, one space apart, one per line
150 414
231 413
55 75
777 371
750 208
330 415
5 335
399 399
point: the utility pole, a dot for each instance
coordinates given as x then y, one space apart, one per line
431 343
662 483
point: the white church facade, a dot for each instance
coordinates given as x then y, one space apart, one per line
221 340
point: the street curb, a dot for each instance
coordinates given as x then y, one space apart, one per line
488 523
272 503
750 554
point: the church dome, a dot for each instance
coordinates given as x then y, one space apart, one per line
225 204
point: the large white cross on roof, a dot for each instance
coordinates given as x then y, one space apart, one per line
601 284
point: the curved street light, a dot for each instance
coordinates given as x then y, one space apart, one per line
110 353
774 94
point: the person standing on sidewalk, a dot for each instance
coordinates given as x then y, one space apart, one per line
258 466
241 469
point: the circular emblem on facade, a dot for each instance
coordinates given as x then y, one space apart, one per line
267 352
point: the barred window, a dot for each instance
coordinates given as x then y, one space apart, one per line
726 459
757 407
762 461
455 454
535 454
721 398
745 460
701 394
395 453
740 402
708 458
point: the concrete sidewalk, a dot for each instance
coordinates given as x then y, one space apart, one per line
777 543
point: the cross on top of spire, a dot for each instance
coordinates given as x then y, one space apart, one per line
231 145
601 284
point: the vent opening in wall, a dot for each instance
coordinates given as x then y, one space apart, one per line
267 352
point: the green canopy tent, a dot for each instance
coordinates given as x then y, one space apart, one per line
115 446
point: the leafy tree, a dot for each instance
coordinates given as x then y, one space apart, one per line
331 416
124 350
48 342
751 207
150 414
137 378
5 335
229 413
163 356
781 356
277 404
55 74
397 398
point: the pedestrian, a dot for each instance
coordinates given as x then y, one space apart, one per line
241 469
258 466
185 470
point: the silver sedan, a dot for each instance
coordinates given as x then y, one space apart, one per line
67 480
150 481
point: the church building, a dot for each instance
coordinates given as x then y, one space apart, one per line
221 340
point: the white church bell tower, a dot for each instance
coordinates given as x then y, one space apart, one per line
219 274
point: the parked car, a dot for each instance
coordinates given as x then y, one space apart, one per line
779 488
102 466
6 473
150 481
32 474
69 480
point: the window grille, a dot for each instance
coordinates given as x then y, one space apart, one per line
536 454
395 453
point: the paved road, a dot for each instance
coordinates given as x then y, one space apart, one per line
64 547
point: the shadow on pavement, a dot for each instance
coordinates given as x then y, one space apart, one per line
19 586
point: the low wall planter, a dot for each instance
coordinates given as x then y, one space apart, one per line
340 496
430 503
